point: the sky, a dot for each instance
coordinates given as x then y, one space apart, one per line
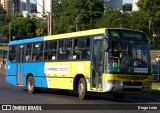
124 1
127 1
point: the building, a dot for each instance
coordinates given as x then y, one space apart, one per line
13 6
6 4
16 6
25 6
115 4
33 8
134 5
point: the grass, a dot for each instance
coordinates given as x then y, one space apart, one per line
156 87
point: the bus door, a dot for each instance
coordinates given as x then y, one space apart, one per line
20 59
97 65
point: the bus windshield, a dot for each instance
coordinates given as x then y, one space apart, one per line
127 56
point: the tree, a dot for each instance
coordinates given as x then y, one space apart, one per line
2 11
127 7
112 18
77 15
151 10
24 27
3 22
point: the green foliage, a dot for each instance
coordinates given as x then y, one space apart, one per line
151 9
2 11
22 27
127 7
77 15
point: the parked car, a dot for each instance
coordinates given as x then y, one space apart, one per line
158 58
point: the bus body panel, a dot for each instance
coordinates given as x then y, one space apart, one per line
11 79
122 78
11 73
37 70
52 74
60 75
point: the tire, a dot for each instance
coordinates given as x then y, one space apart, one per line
82 89
118 96
31 85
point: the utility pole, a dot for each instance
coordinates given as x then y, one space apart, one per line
48 23
9 31
51 18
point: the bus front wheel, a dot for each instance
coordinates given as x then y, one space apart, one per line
30 84
82 89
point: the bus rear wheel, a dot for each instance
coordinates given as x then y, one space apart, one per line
31 85
82 89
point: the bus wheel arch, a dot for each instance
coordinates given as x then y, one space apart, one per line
80 84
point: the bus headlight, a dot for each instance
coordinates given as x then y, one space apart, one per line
114 82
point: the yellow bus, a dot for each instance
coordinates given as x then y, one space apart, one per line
97 60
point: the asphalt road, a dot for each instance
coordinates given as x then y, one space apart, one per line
50 101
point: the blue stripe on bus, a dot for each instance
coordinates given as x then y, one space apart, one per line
37 70
26 41
34 68
11 79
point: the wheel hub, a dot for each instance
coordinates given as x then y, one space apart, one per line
81 89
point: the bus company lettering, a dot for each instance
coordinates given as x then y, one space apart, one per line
56 69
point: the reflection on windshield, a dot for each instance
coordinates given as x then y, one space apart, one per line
128 56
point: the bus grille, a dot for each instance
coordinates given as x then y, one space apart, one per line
133 83
132 90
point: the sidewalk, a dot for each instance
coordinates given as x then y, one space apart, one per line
2 69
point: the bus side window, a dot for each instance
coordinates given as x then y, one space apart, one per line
37 51
28 53
12 53
85 54
28 57
65 50
50 50
83 45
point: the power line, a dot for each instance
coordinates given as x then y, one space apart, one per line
40 5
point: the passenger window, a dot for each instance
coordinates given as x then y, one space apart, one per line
50 50
65 50
37 54
81 48
28 53
12 53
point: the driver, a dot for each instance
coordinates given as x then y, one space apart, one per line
124 58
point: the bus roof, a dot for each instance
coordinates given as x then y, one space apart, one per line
30 40
60 36
76 34
65 35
